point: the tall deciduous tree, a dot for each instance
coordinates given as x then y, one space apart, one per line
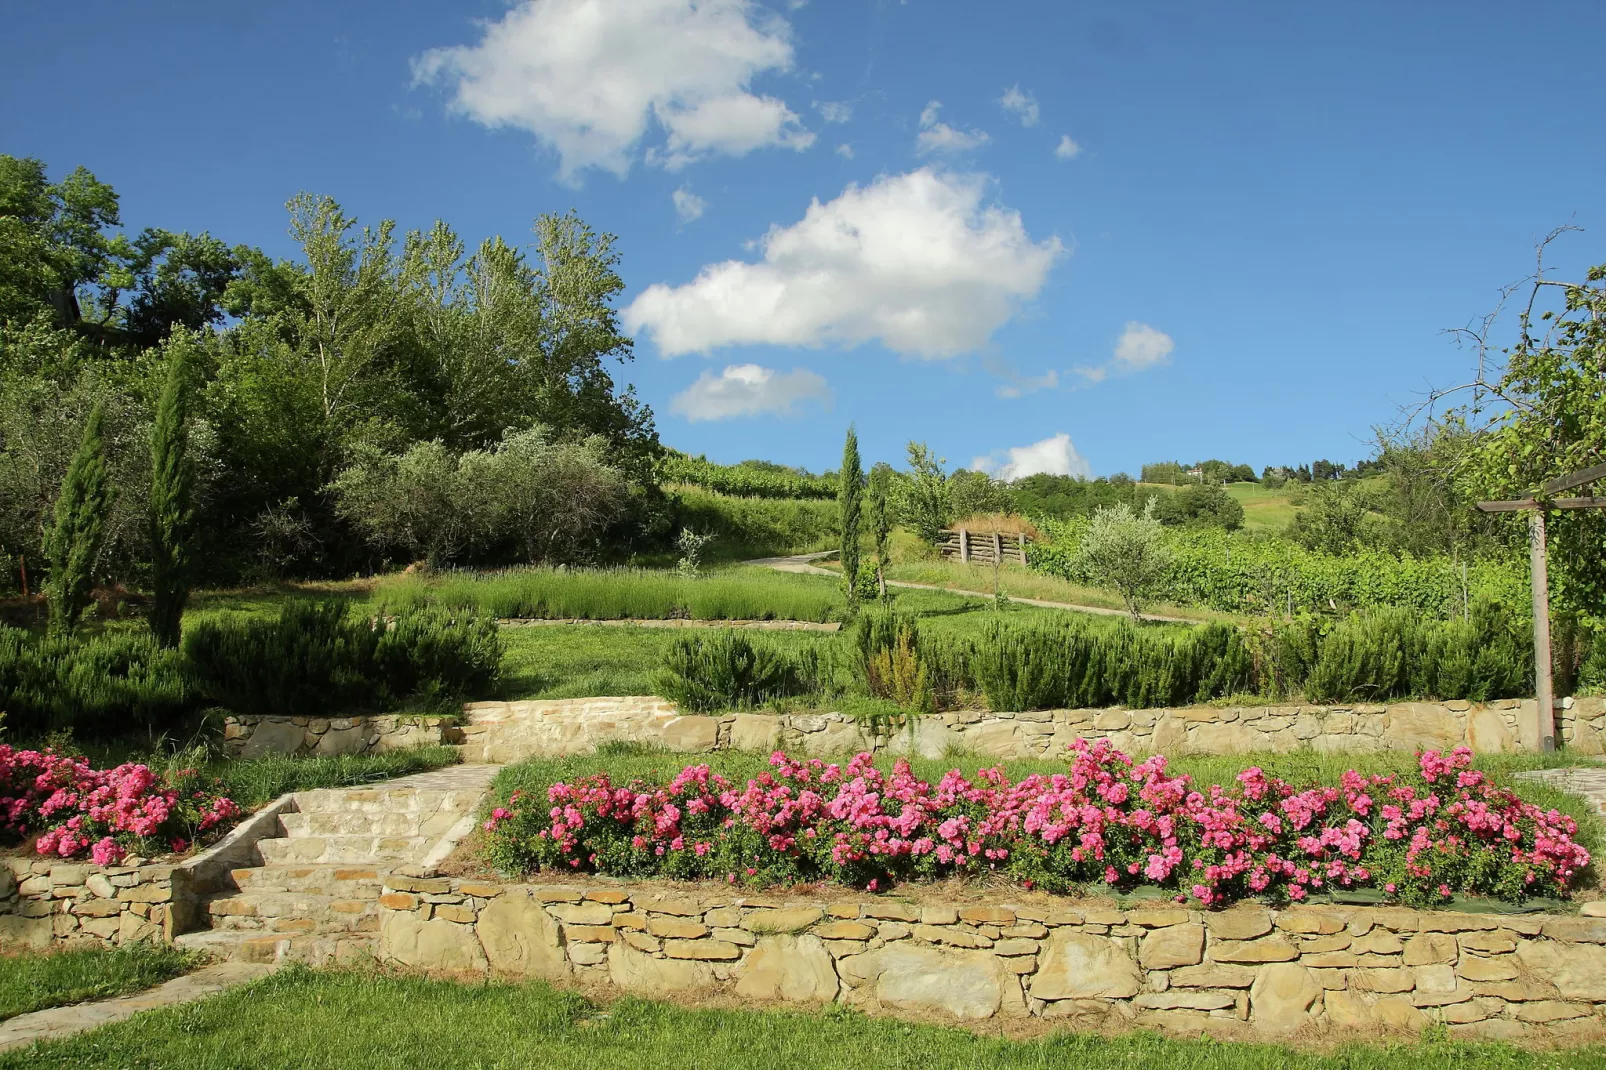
80 528
172 492
881 523
849 500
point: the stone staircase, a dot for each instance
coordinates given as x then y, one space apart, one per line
313 895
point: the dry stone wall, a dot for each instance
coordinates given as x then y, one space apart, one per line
1244 972
511 731
252 737
43 901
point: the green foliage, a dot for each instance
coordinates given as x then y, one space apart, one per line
1238 574
80 529
253 782
1395 653
727 669
757 527
106 685
1200 505
1075 662
750 479
978 494
322 658
1125 551
1045 496
617 594
881 525
888 647
850 498
171 506
921 494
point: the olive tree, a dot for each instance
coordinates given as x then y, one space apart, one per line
1126 551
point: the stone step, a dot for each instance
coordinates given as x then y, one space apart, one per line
355 850
346 823
379 800
341 881
315 949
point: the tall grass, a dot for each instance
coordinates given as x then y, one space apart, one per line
619 594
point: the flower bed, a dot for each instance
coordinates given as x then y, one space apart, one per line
1107 820
106 814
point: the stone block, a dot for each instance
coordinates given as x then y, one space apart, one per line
702 950
643 975
1212 975
1076 965
694 734
963 984
1175 945
273 735
1281 997
1577 970
676 928
756 732
1239 923
1271 949
844 930
783 920
437 945
793 968
1426 948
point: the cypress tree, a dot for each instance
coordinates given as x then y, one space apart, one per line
80 528
171 508
849 497
880 525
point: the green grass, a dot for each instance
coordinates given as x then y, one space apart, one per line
1017 582
352 1020
253 782
621 594
33 981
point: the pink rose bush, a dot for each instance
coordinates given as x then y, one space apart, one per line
105 814
1106 821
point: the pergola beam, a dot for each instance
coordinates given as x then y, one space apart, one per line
1530 503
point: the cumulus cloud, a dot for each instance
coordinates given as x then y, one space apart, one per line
1054 456
834 111
589 77
937 136
688 205
748 390
1022 106
1067 149
1139 348
845 151
915 261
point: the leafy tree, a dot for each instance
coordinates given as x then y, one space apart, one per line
555 497
80 530
881 523
1324 470
1125 551
925 504
977 494
54 240
1333 520
1201 505
848 505
171 499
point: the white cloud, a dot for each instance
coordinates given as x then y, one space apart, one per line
1067 149
1054 456
1139 348
915 261
834 111
940 137
1021 105
588 77
688 205
748 390
1016 385
845 151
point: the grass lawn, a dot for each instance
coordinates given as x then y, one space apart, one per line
255 782
1017 582
353 1020
32 981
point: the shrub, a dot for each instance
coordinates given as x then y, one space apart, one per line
107 814
729 670
321 658
106 685
1125 551
889 657
1110 822
1394 653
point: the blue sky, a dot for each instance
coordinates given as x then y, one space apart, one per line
1236 232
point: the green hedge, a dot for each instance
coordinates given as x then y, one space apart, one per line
105 685
324 658
1259 574
729 670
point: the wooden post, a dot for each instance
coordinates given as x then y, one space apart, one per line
964 545
1543 685
998 548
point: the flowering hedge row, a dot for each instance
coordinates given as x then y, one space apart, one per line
107 814
1417 840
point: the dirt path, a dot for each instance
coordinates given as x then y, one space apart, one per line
804 563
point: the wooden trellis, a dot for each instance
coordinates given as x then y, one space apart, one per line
984 547
1544 685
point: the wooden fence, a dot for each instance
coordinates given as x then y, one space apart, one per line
984 547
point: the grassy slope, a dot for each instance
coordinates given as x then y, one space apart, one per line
31 981
1266 511
350 1020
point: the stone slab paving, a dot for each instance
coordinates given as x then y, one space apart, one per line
1588 781
58 1022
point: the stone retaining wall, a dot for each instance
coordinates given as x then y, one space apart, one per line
1244 972
45 900
252 737
510 731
